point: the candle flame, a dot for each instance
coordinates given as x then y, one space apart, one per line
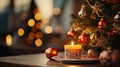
72 43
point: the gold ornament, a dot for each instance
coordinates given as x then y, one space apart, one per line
95 8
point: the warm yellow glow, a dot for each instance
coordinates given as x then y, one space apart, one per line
72 43
45 20
45 7
38 24
8 40
31 35
21 32
39 35
48 29
31 22
38 42
73 47
57 11
37 16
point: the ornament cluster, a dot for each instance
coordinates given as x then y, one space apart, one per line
109 57
97 23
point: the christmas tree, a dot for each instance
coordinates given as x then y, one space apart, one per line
97 24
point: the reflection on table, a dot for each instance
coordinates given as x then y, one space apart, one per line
38 60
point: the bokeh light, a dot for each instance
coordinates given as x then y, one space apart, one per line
22 5
8 40
31 22
57 11
58 29
39 35
45 20
3 5
37 16
38 42
31 35
33 29
24 15
35 10
48 29
38 24
29 41
21 32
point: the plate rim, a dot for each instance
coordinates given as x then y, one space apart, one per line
62 59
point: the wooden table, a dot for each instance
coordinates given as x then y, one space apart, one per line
37 60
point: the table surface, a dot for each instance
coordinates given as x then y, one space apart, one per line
38 60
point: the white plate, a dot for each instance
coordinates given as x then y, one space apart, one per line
83 60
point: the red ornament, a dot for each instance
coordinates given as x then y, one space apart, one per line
83 38
116 1
50 52
110 34
101 23
71 33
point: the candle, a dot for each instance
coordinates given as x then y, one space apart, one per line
73 51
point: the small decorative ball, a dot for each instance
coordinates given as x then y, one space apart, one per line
83 38
71 33
101 23
50 52
91 53
105 58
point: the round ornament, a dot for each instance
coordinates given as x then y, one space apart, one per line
91 53
83 38
71 33
105 58
101 23
109 57
50 52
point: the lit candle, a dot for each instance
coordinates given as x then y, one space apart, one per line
73 51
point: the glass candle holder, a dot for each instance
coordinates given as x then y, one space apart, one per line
72 51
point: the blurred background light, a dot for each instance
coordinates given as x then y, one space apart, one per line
37 16
57 11
22 5
39 35
45 20
29 41
21 32
8 40
31 22
48 29
38 42
38 25
45 7
31 35
3 5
